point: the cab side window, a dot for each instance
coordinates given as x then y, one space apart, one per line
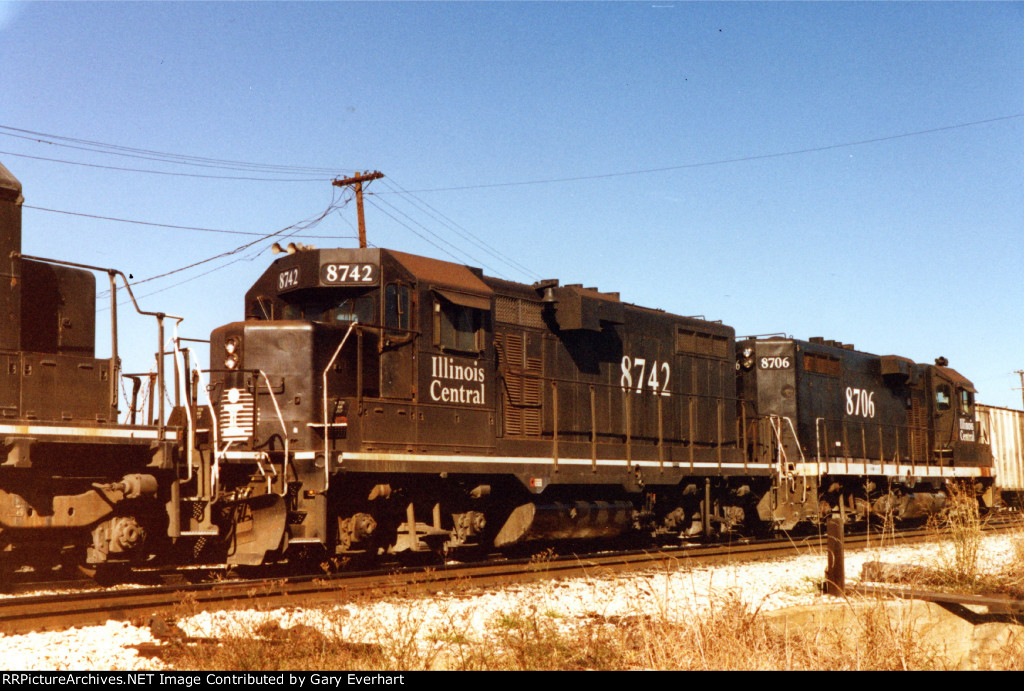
457 327
396 306
943 397
260 309
966 402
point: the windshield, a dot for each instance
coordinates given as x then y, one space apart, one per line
346 310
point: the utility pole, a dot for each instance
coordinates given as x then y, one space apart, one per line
1021 373
357 181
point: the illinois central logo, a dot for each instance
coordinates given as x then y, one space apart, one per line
456 383
236 415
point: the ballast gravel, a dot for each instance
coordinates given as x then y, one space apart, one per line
674 593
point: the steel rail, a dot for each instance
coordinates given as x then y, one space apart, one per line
25 614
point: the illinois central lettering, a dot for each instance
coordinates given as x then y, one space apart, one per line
456 383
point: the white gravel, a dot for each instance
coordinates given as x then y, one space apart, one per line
675 593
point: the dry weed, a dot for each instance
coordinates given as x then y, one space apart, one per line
662 621
960 525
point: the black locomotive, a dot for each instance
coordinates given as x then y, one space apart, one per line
373 401
411 404
75 485
866 434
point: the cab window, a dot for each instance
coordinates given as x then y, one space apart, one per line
966 402
396 306
262 308
943 397
345 310
457 327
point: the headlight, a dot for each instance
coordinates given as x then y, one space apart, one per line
232 350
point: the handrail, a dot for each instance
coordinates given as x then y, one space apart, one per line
114 358
215 469
778 430
886 454
799 448
179 362
327 436
284 428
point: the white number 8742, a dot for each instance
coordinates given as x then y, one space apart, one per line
656 384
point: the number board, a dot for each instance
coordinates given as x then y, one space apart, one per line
348 274
288 279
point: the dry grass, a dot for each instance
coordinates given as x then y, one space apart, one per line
730 634
658 630
960 524
958 563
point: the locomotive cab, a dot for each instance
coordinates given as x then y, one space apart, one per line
385 329
952 410
369 386
344 351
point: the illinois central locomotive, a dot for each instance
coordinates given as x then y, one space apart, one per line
406 404
372 401
866 434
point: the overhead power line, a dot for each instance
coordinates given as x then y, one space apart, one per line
149 154
163 172
175 227
741 159
429 231
414 231
296 228
460 231
106 148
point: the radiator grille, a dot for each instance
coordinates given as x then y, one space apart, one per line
516 311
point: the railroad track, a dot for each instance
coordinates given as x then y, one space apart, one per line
140 605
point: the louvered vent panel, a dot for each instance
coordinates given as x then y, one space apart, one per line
521 392
531 422
918 420
531 382
514 352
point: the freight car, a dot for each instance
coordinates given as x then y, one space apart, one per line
374 400
1003 429
75 485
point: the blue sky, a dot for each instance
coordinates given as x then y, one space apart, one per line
852 171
